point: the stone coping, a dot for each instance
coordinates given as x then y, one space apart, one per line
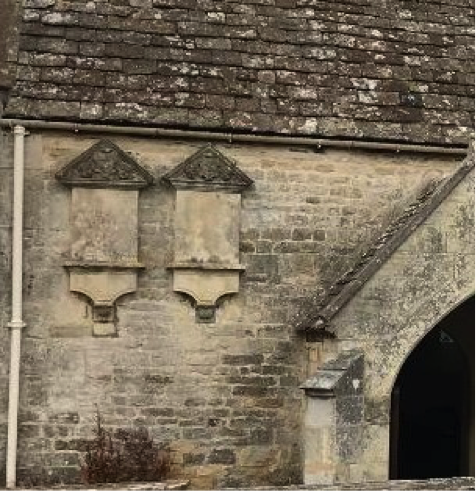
453 484
146 486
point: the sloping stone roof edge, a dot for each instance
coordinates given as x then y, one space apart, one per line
345 288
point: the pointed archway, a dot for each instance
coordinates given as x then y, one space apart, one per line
414 276
432 416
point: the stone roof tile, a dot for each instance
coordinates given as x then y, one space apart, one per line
350 69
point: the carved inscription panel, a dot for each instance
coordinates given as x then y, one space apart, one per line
104 225
206 228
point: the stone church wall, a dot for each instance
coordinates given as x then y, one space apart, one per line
225 394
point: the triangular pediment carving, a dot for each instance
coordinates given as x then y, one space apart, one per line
104 165
208 169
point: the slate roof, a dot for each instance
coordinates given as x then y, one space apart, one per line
393 70
343 290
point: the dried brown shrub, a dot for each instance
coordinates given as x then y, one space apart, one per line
124 455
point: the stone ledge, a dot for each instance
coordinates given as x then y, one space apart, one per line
453 484
146 486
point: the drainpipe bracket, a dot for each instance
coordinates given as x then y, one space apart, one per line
19 130
16 325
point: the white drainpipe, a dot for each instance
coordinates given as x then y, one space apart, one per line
16 324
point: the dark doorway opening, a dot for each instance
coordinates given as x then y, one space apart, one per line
432 418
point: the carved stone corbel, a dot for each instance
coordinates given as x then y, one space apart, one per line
105 184
207 225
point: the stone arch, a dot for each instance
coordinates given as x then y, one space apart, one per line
432 405
399 291
419 335
429 274
423 320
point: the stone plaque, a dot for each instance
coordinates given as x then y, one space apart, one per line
207 227
104 228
